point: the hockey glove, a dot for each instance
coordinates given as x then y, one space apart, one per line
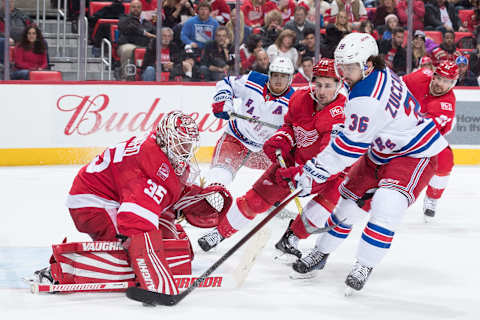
277 141
284 175
312 175
222 104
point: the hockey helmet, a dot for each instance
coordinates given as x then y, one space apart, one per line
177 134
355 48
325 68
447 69
282 65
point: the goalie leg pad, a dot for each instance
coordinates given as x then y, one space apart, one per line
148 261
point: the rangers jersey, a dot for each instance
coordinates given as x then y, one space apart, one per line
257 102
134 181
440 108
384 119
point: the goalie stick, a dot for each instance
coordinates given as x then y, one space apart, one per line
155 298
250 119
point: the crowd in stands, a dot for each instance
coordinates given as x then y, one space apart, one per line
198 37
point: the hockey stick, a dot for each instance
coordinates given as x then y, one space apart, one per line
81 287
282 163
250 119
155 298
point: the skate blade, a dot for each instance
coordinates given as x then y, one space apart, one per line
348 291
294 275
285 258
428 219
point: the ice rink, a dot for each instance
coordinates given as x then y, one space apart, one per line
431 272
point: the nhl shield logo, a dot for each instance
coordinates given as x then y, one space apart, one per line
163 172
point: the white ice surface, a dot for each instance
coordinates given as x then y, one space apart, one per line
431 272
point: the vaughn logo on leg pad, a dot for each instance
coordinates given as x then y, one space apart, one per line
102 246
147 278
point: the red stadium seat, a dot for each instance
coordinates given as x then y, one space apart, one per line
46 75
436 36
100 22
466 16
96 6
11 53
138 55
460 35
114 39
164 76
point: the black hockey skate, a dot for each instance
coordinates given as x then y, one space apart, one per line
288 246
44 276
210 240
308 266
357 278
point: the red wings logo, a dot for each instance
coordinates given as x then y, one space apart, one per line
163 172
336 111
304 137
446 106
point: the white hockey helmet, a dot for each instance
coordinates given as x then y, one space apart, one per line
177 134
355 48
282 65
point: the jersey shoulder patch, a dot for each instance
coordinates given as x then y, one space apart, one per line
257 78
372 86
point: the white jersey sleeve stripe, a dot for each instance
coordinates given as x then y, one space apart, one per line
75 201
139 211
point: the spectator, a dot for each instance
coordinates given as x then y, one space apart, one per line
283 47
324 11
341 22
466 77
474 61
170 55
248 52
177 11
385 8
440 15
220 11
244 30
366 26
262 62
391 23
287 8
446 50
273 27
30 54
307 49
188 69
331 40
299 24
418 13
134 33
355 10
255 11
393 52
305 72
418 48
426 63
217 58
198 30
18 21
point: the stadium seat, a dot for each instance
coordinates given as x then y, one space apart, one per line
96 6
138 55
436 36
164 76
114 39
46 75
11 53
100 22
466 16
460 35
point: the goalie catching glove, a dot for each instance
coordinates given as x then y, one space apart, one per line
204 207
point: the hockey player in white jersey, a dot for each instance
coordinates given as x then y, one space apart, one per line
263 98
392 149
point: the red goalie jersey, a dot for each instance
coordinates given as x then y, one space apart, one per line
308 130
134 187
440 108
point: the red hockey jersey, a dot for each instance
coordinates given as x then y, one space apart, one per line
134 181
440 108
310 129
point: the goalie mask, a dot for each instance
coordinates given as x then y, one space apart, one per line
177 134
